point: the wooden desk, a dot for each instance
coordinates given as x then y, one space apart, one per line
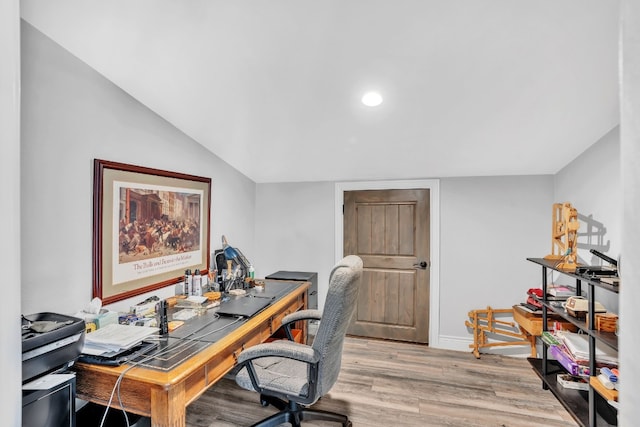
532 323
164 395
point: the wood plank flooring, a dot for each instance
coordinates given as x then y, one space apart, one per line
385 383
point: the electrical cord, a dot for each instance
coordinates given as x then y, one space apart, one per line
184 342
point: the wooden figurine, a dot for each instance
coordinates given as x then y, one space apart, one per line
564 236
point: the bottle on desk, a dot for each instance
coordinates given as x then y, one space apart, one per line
163 321
187 282
197 283
213 280
204 283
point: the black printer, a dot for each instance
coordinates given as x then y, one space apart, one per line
51 343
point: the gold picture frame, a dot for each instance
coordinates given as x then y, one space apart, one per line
149 226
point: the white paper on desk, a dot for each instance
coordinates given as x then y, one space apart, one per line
47 382
115 337
100 350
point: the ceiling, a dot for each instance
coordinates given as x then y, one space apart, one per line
470 87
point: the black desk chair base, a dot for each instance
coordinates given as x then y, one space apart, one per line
291 412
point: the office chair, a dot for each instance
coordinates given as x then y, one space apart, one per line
292 376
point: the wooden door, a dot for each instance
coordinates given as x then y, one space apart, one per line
389 230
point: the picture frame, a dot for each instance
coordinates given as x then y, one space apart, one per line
149 226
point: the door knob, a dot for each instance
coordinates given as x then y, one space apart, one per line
421 265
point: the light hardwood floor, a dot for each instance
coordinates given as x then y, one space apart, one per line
385 383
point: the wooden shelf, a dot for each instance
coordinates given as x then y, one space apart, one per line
602 390
576 402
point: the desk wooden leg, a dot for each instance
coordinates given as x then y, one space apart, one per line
168 407
532 340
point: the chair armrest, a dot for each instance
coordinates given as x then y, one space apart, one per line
288 349
308 314
290 319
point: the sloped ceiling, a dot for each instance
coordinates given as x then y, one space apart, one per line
470 87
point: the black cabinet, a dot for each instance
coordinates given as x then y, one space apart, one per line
54 406
300 276
588 408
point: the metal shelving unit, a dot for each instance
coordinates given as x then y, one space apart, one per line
588 408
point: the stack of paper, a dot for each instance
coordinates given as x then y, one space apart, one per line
113 339
578 345
560 291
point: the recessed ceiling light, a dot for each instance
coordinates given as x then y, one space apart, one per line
372 99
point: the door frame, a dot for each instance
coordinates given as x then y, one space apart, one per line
434 244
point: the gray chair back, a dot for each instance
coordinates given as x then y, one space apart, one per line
344 282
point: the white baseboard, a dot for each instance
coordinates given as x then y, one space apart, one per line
449 342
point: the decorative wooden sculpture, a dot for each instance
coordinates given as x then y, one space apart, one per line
564 236
484 323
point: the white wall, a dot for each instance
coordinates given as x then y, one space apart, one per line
592 184
489 226
630 235
294 230
10 404
71 115
602 184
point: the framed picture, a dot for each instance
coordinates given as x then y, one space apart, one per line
149 226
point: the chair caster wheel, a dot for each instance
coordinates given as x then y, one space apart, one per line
264 402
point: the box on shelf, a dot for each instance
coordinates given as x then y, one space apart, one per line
99 320
104 319
567 362
606 322
573 382
143 308
578 307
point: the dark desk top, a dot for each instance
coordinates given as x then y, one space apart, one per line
201 331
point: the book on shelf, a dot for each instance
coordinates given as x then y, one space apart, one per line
559 291
557 299
612 280
549 338
557 304
530 308
572 382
